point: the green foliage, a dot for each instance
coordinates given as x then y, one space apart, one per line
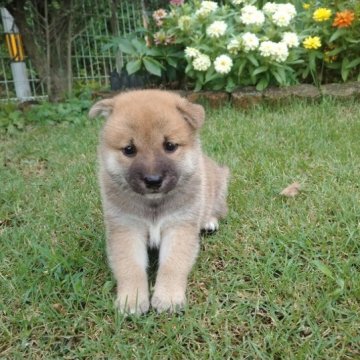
12 120
165 62
216 59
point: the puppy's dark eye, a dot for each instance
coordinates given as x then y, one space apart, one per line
129 150
169 146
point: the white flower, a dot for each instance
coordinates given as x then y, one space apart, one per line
290 39
206 8
249 9
233 46
250 15
216 29
223 64
281 18
184 22
237 2
192 52
201 63
269 8
281 52
283 15
266 48
249 41
290 8
275 51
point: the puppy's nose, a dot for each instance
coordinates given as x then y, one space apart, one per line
153 181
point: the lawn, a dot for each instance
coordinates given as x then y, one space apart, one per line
280 280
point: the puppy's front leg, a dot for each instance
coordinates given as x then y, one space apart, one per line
178 251
128 260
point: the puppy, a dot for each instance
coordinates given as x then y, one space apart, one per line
158 190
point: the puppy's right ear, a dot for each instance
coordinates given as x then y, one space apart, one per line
102 108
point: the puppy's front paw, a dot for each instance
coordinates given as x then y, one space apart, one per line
211 225
132 301
172 300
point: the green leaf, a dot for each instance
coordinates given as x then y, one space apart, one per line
260 70
335 66
177 54
152 66
133 66
198 85
108 46
294 62
281 76
188 68
253 60
241 68
172 62
218 86
344 69
353 63
262 84
277 76
153 51
312 61
337 34
138 45
210 75
126 46
323 268
305 73
335 51
352 41
230 85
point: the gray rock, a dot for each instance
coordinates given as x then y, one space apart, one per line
246 98
304 91
346 90
214 98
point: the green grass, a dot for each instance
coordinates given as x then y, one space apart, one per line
280 280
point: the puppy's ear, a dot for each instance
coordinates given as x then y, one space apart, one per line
194 114
102 108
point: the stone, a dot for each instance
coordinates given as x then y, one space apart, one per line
304 91
274 95
246 98
347 90
215 99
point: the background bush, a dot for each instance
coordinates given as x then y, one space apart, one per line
243 42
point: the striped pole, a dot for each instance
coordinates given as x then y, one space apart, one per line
16 51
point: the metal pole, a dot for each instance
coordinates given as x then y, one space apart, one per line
18 68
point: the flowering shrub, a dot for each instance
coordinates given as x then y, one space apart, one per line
236 44
248 42
331 40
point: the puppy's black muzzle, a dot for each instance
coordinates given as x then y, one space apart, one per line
153 182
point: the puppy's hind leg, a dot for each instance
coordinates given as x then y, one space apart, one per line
218 207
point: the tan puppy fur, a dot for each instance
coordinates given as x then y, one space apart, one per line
158 190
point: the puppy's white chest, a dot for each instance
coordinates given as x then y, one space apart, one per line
154 235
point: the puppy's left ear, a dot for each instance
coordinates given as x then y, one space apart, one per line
102 107
194 114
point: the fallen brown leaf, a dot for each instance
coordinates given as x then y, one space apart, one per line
59 308
292 190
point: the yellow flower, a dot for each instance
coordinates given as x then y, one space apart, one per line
306 6
322 14
312 42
